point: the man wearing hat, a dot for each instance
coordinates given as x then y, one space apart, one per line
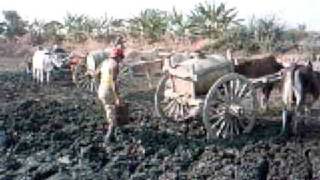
108 92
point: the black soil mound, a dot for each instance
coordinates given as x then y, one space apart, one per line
54 132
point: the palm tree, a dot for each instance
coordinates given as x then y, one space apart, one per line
267 32
211 20
240 38
103 27
178 24
85 26
151 24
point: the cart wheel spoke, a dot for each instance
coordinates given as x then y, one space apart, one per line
232 129
226 132
237 110
182 112
217 108
216 116
217 123
177 111
242 90
226 95
237 87
169 105
236 127
172 110
221 128
232 90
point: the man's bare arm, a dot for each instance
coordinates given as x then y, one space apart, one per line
98 70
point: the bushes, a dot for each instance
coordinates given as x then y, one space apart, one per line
212 21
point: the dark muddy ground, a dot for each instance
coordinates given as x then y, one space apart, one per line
53 132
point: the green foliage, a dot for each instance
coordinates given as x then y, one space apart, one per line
77 36
178 23
263 34
211 20
52 30
134 29
80 27
74 23
295 35
117 26
14 24
36 30
150 24
240 38
3 26
267 32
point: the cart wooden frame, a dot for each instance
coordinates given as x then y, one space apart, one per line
228 108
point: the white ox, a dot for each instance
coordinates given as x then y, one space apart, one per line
43 63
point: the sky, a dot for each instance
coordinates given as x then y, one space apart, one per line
290 12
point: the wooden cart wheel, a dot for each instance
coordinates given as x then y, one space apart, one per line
169 105
81 78
230 107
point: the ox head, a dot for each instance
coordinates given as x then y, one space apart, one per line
300 80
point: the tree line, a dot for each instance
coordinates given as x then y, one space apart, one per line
209 20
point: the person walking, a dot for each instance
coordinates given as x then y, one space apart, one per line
108 91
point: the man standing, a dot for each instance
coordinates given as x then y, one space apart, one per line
108 92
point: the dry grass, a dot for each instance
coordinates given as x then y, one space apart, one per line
23 46
138 44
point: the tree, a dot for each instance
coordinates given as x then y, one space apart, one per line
211 20
80 27
52 31
36 30
15 25
74 23
178 23
118 26
103 26
240 38
3 27
267 32
150 24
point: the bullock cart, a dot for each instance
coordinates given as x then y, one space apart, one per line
210 88
83 76
147 69
83 69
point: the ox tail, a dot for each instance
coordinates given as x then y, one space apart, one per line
292 89
297 89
